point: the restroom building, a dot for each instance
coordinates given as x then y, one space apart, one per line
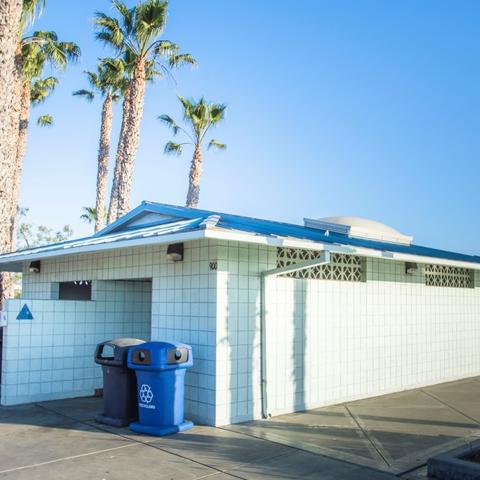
281 317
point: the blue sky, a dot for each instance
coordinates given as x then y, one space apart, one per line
341 107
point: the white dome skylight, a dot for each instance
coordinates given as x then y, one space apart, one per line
360 228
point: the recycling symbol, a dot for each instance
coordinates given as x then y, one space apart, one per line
146 394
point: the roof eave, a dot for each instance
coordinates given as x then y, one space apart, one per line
13 261
274 241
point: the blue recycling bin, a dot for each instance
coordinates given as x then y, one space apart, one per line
160 369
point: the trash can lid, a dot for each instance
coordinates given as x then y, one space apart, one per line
160 355
163 345
124 342
118 351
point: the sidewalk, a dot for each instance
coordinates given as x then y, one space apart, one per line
60 440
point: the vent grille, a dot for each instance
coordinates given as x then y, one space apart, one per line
446 276
348 268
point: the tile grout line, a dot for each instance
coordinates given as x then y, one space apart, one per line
367 436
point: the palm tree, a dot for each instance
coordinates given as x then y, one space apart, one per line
90 216
38 50
35 94
199 116
31 9
151 73
109 82
136 33
45 120
10 17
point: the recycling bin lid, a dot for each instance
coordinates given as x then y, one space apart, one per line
115 352
160 355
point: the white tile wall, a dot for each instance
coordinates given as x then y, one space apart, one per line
328 341
51 356
238 327
182 308
337 341
331 341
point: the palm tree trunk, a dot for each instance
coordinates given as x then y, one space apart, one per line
193 194
10 12
20 155
103 157
132 136
113 206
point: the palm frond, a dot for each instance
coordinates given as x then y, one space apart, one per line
127 15
43 47
89 214
111 73
188 106
217 112
87 94
45 121
43 35
108 79
31 9
150 21
70 50
93 79
109 30
216 144
47 82
151 71
169 122
172 148
113 68
166 48
41 89
200 116
175 61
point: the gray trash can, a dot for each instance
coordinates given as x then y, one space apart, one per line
120 405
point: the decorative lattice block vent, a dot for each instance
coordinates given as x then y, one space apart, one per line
447 276
350 268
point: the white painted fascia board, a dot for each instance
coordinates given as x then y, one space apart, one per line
267 240
407 257
232 235
221 234
138 242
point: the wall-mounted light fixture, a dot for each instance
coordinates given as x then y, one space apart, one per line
34 267
411 268
175 252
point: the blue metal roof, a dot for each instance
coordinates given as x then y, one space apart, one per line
179 226
280 229
182 219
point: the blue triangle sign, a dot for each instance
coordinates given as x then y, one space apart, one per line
25 314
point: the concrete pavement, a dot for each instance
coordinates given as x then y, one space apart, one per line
379 439
394 433
60 440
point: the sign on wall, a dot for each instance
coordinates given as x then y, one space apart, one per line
25 313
